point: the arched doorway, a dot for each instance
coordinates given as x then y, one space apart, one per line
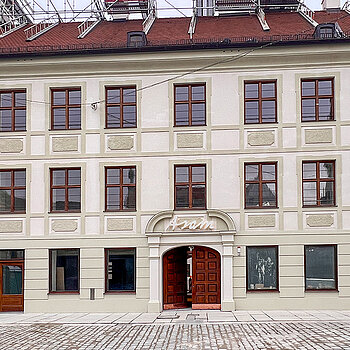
191 278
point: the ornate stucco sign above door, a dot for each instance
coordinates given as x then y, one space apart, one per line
182 224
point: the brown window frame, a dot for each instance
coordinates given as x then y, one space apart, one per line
12 188
106 272
277 270
65 106
13 109
121 185
50 273
335 268
190 184
190 102
121 104
318 179
66 187
260 182
316 97
260 100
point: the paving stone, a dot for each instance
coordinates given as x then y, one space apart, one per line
128 317
243 316
146 318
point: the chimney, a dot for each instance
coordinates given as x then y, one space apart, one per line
330 5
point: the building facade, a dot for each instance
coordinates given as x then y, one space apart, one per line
209 174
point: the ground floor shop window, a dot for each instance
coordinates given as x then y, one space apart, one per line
320 267
262 271
120 270
64 270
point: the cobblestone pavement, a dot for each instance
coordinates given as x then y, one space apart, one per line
176 336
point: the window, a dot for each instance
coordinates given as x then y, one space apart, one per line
121 107
317 99
120 270
64 270
13 110
319 183
320 267
120 188
190 105
260 102
65 109
260 185
190 187
262 268
65 189
328 31
136 39
12 191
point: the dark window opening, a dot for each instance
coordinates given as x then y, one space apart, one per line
13 110
136 39
328 31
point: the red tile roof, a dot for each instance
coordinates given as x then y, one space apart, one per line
172 31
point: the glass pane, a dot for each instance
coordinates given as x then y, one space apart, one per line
58 177
113 198
65 270
5 178
59 98
6 99
11 254
198 196
198 93
5 200
11 279
320 267
113 176
309 170
74 198
20 119
326 171
129 96
129 176
325 109
182 197
59 118
326 193
74 118
268 90
6 120
20 99
325 87
181 114
58 199
269 195
262 268
74 97
121 270
129 116
308 88
129 197
198 114
20 200
268 172
182 174
252 172
198 174
252 112
20 178
181 93
74 177
268 111
113 117
308 109
251 90
113 96
252 195
309 193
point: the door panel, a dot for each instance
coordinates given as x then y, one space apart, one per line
11 286
174 280
206 278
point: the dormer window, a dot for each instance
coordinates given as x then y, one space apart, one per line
328 31
136 39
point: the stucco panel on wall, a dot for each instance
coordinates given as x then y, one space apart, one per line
261 221
64 225
11 145
261 138
189 140
318 136
120 142
120 224
11 226
319 220
65 144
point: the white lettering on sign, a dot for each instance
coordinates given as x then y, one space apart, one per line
202 224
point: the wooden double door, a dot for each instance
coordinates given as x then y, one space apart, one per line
204 280
11 286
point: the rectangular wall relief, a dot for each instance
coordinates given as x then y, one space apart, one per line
11 145
11 226
189 140
65 144
261 138
120 224
120 142
318 136
64 225
255 221
319 220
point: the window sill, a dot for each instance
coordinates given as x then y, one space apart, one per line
259 208
121 211
262 290
67 292
12 212
320 207
187 209
65 212
322 290
132 292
